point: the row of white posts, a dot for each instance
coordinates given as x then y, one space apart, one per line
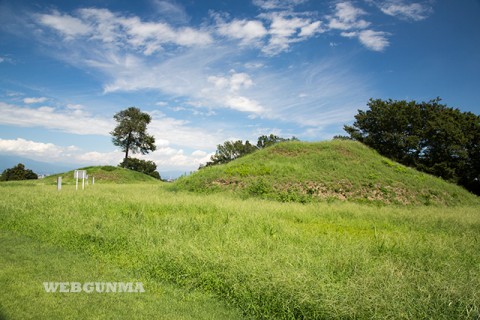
77 174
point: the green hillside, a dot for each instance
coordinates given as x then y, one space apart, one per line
326 171
105 174
102 174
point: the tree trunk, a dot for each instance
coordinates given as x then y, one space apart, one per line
127 148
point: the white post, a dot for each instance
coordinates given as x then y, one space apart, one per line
76 183
83 183
93 181
59 183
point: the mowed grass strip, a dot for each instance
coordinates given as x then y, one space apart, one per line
25 264
270 259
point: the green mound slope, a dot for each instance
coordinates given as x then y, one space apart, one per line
106 174
325 171
102 174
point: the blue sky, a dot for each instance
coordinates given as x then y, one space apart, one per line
211 71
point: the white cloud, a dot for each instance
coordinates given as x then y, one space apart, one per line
171 10
311 29
50 118
234 83
199 153
115 29
346 17
24 147
34 100
412 11
67 25
244 104
253 65
277 4
374 40
245 30
286 29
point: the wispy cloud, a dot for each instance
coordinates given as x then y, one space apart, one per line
247 31
171 10
277 4
408 11
115 29
34 100
287 28
70 27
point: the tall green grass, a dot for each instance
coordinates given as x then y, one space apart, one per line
25 264
334 260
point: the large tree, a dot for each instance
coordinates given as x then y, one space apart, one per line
428 136
130 134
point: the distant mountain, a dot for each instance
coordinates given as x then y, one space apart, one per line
7 161
172 175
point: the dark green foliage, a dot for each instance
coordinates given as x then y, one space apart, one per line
267 141
340 137
130 134
428 136
143 166
231 150
18 173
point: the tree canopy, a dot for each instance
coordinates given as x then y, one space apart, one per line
428 136
18 173
130 134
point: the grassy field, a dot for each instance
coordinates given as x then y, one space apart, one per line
222 256
26 263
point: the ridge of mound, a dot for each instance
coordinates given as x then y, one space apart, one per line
325 171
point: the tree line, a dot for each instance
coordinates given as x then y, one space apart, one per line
428 136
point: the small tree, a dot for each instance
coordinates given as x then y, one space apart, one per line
230 150
267 141
130 134
18 173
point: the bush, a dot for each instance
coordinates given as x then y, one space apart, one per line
143 166
18 173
